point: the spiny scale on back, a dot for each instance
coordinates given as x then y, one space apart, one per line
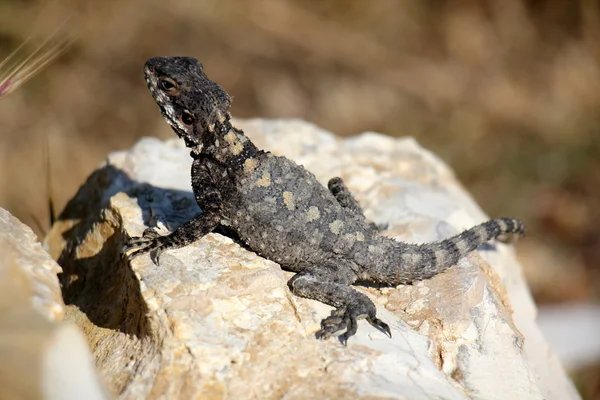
280 210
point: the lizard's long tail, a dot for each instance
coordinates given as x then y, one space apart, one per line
422 261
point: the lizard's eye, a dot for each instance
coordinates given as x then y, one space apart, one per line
187 118
166 84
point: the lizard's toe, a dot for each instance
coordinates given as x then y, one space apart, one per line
379 324
140 242
155 255
151 241
134 248
340 319
346 319
150 233
133 245
134 242
332 325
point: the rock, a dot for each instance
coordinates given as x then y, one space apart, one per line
214 320
41 357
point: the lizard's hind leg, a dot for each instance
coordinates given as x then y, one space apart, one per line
344 197
331 285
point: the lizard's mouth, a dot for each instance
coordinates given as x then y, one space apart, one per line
163 102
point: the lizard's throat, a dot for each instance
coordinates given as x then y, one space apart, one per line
233 145
196 151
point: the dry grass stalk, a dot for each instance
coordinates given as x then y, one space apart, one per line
18 68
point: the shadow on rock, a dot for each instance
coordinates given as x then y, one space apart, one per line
87 240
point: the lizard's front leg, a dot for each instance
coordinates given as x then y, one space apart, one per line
185 234
331 285
209 200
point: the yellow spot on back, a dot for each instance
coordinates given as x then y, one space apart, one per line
288 200
250 165
230 137
312 214
234 144
360 237
350 238
237 149
265 181
336 226
376 249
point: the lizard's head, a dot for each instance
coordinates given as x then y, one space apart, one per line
191 103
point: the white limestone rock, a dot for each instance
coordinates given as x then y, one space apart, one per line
40 356
214 320
27 271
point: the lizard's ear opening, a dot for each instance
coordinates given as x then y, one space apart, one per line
186 118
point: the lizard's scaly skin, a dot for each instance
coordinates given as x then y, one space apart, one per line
282 212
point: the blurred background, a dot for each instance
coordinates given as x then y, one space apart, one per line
506 92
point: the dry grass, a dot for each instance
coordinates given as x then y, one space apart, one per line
17 68
508 92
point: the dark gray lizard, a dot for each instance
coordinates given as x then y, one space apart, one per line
279 209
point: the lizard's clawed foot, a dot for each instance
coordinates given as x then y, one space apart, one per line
149 241
346 318
380 325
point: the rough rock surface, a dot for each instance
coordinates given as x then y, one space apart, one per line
40 357
216 321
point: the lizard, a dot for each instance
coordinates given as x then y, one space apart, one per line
278 209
